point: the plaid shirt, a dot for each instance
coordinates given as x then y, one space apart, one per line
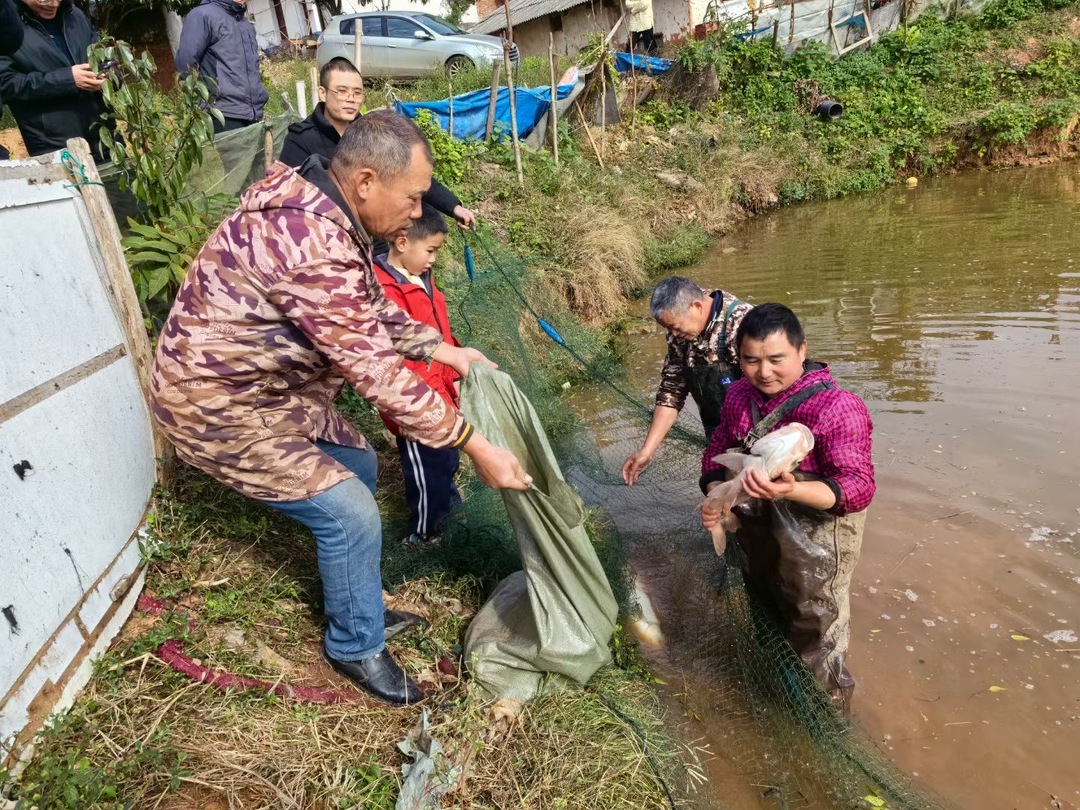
842 431
702 350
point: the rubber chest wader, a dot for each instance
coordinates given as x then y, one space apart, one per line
708 384
801 561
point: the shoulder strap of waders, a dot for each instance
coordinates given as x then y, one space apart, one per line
727 319
766 424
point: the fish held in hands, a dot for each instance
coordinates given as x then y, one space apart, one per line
773 455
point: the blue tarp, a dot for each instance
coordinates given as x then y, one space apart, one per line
646 64
470 110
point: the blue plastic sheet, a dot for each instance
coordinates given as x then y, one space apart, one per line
471 109
645 64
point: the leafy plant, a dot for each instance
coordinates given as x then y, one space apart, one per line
159 256
452 157
163 134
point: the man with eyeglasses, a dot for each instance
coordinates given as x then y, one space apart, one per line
341 94
47 82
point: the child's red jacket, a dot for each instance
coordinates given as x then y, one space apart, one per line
427 305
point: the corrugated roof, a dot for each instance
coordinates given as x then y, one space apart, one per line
521 11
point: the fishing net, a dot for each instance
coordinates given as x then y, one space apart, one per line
783 742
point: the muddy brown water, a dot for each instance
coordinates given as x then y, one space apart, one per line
953 309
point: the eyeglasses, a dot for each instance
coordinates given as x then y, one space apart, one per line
345 93
47 2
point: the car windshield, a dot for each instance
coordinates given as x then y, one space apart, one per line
439 25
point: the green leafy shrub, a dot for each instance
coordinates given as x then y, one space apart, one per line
159 256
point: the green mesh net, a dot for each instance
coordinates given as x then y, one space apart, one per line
778 740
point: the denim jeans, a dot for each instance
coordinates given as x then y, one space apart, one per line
348 540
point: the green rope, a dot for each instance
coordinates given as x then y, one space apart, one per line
77 170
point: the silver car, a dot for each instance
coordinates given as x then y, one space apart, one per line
407 45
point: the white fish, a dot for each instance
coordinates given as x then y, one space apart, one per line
773 454
646 626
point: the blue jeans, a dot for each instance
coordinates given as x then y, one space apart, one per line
348 540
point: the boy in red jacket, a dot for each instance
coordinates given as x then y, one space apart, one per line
406 277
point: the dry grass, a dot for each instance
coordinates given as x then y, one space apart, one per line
603 265
242 584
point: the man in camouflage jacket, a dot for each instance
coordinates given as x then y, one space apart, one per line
701 359
280 310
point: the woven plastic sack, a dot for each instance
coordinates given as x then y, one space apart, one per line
556 616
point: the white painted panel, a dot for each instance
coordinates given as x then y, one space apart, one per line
93 471
48 667
54 312
98 602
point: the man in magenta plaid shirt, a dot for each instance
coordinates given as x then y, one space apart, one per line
802 533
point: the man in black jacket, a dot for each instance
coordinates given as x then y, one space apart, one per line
11 37
341 90
47 82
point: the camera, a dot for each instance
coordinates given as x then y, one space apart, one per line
106 66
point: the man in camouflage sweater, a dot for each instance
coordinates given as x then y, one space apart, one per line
280 310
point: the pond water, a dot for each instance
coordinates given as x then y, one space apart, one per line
953 309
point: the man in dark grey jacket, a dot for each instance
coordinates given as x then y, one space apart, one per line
47 82
219 41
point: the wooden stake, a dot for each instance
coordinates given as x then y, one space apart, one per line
358 46
513 107
791 25
268 147
776 30
301 99
553 114
603 101
690 19
494 97
107 234
585 124
314 88
509 23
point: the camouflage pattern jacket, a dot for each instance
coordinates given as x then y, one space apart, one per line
683 354
279 310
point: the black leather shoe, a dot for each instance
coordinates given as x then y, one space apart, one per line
400 621
380 676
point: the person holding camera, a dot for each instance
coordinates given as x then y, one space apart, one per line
51 89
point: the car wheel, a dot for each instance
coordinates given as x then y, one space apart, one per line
456 64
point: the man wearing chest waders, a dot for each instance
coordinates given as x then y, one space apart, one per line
800 534
701 359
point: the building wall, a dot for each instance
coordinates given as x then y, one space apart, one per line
437 7
485 7
577 25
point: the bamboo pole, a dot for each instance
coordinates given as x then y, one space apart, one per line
791 25
553 114
314 88
492 99
107 235
588 134
513 110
